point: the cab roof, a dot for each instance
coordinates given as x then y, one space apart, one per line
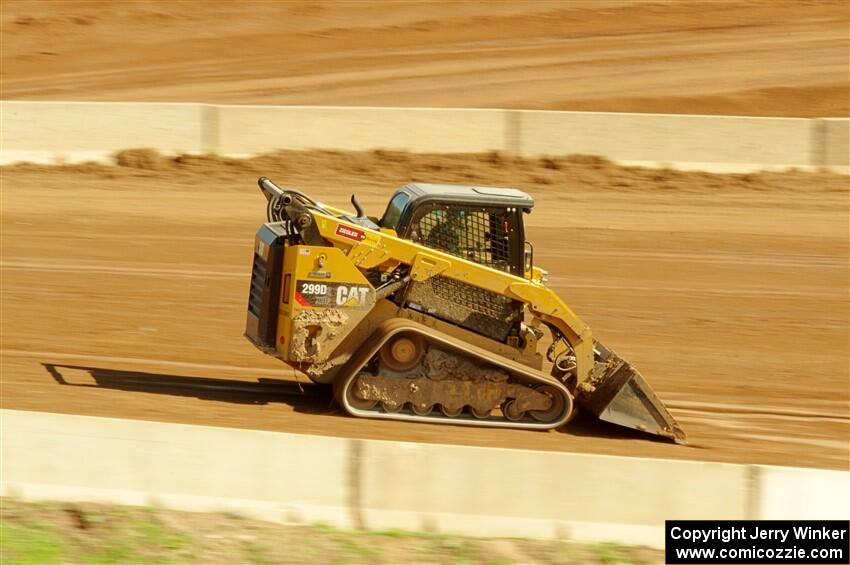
472 195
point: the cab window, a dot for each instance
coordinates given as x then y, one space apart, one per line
394 209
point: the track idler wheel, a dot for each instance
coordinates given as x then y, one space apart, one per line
421 409
511 412
392 406
402 352
554 410
355 400
361 403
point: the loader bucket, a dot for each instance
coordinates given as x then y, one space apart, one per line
619 394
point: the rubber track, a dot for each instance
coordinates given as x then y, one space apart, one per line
397 325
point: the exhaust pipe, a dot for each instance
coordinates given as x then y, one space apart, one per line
270 189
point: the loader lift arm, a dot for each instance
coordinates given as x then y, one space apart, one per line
377 248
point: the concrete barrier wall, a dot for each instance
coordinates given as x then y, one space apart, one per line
78 131
833 147
715 143
271 476
243 130
789 493
52 132
499 492
354 483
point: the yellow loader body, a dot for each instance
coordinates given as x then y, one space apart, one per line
442 324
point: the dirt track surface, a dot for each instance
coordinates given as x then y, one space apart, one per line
732 57
124 294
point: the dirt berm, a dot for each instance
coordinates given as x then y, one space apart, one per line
743 57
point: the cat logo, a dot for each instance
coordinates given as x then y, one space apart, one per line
352 295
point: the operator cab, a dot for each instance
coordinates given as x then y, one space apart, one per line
480 224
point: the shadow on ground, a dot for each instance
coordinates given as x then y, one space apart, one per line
307 398
303 397
586 424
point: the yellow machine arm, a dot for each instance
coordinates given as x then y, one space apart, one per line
370 249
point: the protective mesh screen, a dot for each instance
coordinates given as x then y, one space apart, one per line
470 307
476 235
475 299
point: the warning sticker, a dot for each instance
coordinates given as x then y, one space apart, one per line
350 233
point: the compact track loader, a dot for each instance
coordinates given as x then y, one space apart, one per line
433 313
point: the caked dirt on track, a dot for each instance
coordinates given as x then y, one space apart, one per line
751 57
124 294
